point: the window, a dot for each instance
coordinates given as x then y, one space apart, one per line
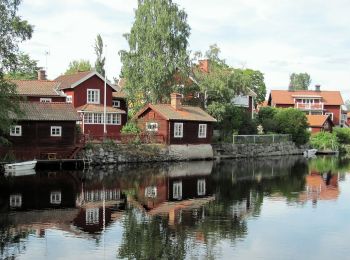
56 130
178 130
152 127
98 118
116 103
45 100
69 99
16 130
88 118
177 190
329 113
151 192
15 200
201 187
92 216
116 119
202 131
55 197
93 96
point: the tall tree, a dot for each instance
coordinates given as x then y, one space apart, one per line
100 61
158 43
299 81
257 84
13 30
78 66
25 69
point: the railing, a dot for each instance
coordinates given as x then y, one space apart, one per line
260 139
143 138
309 106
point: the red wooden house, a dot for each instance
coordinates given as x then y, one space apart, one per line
43 130
85 90
176 124
320 123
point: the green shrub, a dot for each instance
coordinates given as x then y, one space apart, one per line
325 141
130 128
343 134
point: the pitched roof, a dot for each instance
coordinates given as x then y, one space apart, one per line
38 111
317 120
99 109
287 97
119 94
73 80
37 87
186 113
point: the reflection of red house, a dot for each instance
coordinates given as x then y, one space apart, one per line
320 123
85 90
177 124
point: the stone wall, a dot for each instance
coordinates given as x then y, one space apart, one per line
255 150
113 154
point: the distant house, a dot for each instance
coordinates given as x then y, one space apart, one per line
85 90
312 102
177 124
320 123
44 130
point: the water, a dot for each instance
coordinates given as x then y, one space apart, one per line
280 208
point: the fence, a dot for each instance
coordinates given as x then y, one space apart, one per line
260 139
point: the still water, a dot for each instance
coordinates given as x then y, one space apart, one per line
280 208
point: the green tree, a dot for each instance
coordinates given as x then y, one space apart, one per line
26 68
13 30
78 66
158 43
299 81
100 61
257 84
265 118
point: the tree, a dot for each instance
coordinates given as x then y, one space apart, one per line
158 43
78 66
257 84
299 81
13 30
26 68
100 61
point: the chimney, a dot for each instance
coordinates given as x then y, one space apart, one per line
204 65
176 100
317 87
41 74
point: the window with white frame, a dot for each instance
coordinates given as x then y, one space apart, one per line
98 118
92 216
15 200
178 130
151 127
93 96
201 187
177 190
88 118
202 131
116 103
45 100
151 192
116 119
56 130
16 130
329 113
69 99
55 197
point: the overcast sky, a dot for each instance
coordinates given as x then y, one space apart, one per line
277 37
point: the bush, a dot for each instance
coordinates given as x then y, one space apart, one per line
130 128
325 141
343 134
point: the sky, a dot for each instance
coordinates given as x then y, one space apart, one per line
277 37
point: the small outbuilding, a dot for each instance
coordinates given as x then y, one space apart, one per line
320 123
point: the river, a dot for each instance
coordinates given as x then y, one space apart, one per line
266 208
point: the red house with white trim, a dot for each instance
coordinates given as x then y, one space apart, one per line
85 90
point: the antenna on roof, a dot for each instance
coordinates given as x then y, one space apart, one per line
47 53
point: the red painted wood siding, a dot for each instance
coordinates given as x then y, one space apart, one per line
190 133
95 131
150 116
336 113
53 99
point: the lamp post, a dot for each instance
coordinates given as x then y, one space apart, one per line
104 102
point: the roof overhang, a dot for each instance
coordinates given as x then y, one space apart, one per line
93 73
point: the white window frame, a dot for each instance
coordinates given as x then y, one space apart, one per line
152 127
45 100
55 128
14 132
151 192
93 96
92 216
56 197
329 113
16 200
178 130
177 190
201 187
202 131
116 103
69 99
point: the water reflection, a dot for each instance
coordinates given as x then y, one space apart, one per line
182 210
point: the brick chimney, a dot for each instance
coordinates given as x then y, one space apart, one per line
176 101
317 87
41 74
204 65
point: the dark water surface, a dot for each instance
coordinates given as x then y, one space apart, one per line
280 208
